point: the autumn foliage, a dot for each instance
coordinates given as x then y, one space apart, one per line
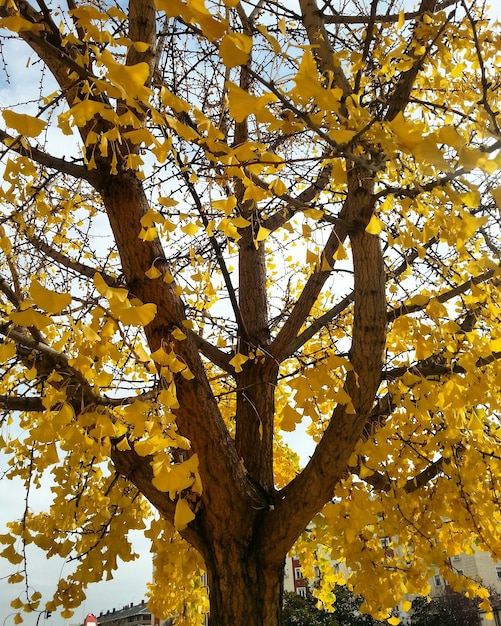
224 220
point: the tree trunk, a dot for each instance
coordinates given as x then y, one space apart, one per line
243 588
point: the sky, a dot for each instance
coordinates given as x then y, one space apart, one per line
130 581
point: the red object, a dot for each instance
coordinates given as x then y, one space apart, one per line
90 620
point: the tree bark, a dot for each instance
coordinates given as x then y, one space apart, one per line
243 587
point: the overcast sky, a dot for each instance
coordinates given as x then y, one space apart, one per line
129 584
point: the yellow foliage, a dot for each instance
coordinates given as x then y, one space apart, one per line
320 201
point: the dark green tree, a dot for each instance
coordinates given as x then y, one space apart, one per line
449 609
302 611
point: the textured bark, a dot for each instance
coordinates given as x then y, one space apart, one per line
244 587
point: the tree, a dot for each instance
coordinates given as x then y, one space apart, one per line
302 611
451 608
219 220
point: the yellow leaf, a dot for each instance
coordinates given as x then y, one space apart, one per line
153 272
18 619
140 136
409 133
129 79
17 24
141 46
290 418
406 605
140 315
48 300
109 292
7 350
262 233
278 187
274 43
401 19
24 124
237 361
30 317
241 104
495 345
178 334
190 229
394 621
340 254
496 194
226 204
375 225
183 514
240 222
11 555
235 49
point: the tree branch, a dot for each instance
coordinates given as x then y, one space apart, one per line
42 158
382 19
404 309
382 482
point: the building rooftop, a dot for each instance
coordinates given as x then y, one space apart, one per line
130 610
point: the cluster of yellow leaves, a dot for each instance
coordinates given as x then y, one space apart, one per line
454 418
178 587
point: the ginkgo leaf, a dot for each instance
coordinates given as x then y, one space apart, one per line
140 315
183 515
375 225
109 292
190 229
153 272
237 361
31 317
235 49
226 204
18 24
262 233
140 46
496 194
241 104
130 79
48 300
401 19
24 124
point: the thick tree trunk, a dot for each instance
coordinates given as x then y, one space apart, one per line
243 588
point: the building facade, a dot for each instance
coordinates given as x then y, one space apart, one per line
130 615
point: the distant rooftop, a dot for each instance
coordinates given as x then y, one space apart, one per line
128 611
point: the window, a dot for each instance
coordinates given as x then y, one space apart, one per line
301 591
437 580
498 572
297 573
456 558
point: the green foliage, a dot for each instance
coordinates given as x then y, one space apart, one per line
449 609
303 611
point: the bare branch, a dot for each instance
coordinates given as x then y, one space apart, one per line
382 19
